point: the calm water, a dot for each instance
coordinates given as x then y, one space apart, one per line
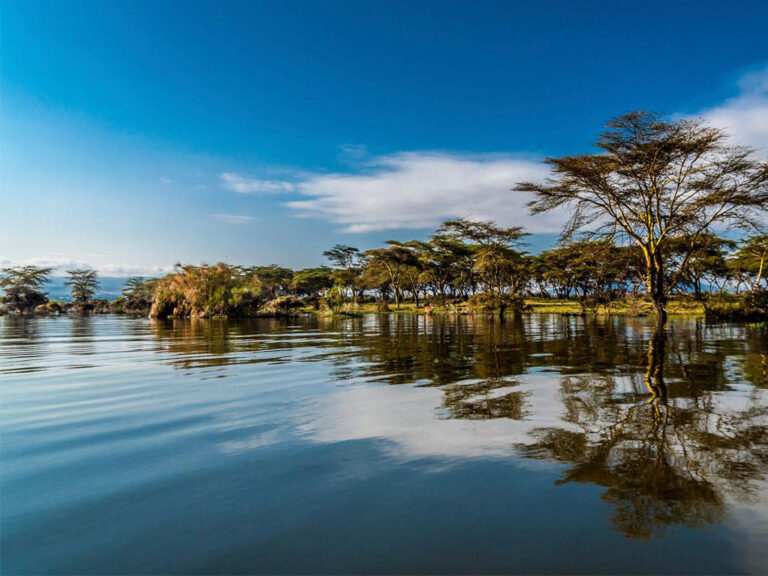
383 445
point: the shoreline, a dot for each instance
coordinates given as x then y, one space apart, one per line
680 307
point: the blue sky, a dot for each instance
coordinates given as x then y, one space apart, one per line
139 134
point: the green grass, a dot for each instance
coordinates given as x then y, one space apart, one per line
678 306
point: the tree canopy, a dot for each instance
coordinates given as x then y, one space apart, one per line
652 182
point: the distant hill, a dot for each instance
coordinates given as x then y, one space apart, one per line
110 287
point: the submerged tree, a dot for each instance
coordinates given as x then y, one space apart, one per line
652 182
22 287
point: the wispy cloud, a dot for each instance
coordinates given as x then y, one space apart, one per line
421 189
352 153
416 190
61 264
246 185
233 218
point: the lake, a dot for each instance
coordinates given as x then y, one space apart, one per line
383 444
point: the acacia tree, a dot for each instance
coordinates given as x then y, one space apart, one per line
415 273
312 282
654 181
23 285
502 270
138 294
706 263
83 284
751 260
600 271
440 257
348 262
273 279
392 265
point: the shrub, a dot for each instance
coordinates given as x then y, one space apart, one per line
204 291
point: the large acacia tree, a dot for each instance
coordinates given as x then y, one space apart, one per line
653 182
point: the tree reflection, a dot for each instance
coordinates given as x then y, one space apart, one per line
662 463
673 425
492 398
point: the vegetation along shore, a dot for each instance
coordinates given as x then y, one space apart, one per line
641 239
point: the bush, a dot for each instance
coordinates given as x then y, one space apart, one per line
484 302
205 291
23 299
282 306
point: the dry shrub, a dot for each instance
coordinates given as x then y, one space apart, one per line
205 291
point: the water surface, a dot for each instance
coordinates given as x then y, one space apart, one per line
387 444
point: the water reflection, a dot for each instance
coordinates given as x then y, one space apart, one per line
671 426
661 462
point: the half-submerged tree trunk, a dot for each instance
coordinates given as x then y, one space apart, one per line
654 376
655 283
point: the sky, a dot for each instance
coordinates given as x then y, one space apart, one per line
134 135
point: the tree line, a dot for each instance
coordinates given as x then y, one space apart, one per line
643 211
478 263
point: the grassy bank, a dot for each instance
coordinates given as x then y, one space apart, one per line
682 306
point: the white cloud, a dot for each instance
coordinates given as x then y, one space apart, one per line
61 264
421 189
745 117
415 190
233 218
404 417
126 270
246 185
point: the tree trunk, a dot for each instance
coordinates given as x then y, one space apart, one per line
654 376
655 284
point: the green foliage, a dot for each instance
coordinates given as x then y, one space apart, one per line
342 256
497 268
138 294
27 277
204 291
312 283
388 269
22 286
83 284
752 305
659 184
750 262
273 280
